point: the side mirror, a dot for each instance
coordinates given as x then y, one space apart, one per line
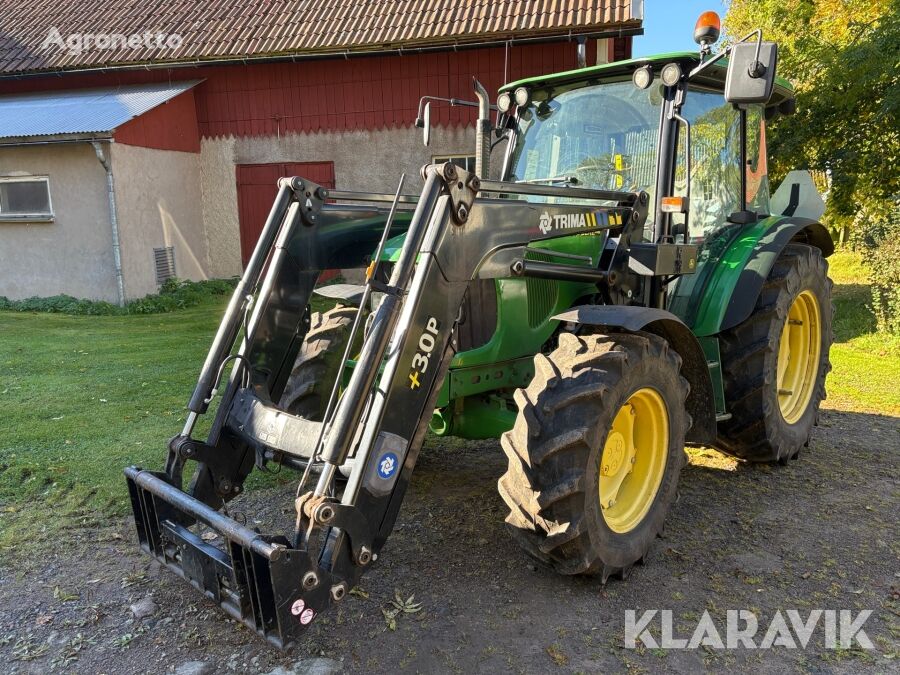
751 72
426 124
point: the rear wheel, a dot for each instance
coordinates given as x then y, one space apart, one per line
318 362
775 362
596 451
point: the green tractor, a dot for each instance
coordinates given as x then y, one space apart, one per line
629 286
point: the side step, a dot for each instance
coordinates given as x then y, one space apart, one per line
257 579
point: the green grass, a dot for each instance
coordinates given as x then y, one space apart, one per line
81 397
865 363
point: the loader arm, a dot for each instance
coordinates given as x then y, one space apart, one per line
277 585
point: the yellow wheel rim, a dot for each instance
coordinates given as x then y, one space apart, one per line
798 357
634 460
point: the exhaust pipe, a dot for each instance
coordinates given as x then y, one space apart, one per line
482 132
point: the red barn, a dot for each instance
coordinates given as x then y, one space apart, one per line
140 141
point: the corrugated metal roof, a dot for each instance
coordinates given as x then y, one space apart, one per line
250 28
81 112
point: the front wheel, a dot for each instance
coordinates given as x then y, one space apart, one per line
318 363
775 362
596 452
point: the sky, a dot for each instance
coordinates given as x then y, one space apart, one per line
669 25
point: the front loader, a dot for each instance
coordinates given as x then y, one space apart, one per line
625 289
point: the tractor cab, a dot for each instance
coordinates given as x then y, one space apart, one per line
664 125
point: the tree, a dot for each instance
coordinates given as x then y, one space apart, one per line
843 57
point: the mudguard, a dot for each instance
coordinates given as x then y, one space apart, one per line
350 294
730 292
700 402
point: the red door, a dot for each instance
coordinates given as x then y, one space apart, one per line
257 185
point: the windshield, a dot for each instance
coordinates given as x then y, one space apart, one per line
601 136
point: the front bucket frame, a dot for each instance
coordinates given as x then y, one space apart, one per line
247 577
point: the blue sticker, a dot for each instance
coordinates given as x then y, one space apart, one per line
387 465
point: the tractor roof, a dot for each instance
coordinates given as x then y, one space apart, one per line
714 75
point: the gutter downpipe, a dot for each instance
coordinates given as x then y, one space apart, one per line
113 218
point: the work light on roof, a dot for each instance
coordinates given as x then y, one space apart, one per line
504 102
642 77
670 74
523 97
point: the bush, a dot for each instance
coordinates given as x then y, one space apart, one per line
885 278
883 258
173 294
872 225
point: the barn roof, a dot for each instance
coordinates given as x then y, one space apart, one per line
67 115
37 35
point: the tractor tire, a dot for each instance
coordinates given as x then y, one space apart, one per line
596 402
316 367
775 363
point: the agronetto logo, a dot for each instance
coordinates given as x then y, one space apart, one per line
76 43
743 629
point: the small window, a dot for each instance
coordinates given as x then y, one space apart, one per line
466 162
26 198
164 259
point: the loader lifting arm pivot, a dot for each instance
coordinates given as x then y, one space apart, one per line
462 230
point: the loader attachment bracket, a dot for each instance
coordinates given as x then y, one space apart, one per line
349 519
224 473
311 198
463 187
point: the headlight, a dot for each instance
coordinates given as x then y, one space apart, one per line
504 102
523 97
642 77
671 74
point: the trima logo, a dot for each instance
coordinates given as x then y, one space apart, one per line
742 627
567 221
546 222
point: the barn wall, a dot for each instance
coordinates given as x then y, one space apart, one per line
73 254
218 191
158 204
170 126
336 94
369 161
356 112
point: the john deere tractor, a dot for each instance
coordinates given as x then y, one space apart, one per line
628 286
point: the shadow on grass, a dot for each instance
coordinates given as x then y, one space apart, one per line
853 315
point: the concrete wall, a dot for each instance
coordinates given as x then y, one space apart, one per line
180 199
363 160
158 204
73 254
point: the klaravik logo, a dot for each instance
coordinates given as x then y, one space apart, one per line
841 630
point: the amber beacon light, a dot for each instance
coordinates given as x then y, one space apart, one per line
707 29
